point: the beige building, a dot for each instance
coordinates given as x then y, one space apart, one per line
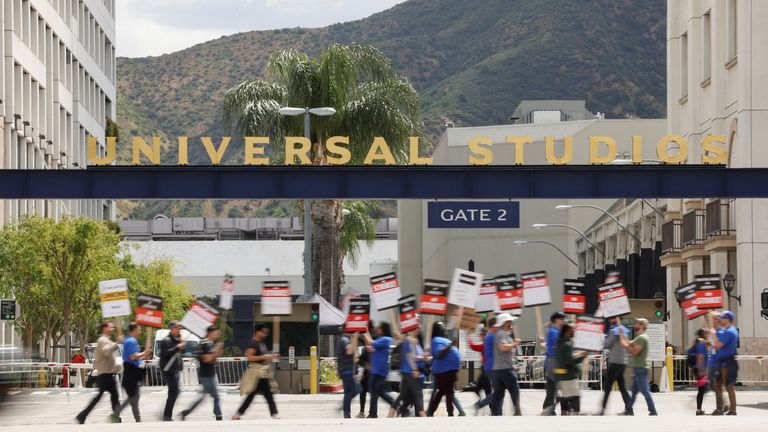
57 88
717 67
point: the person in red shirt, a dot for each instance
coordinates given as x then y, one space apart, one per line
484 382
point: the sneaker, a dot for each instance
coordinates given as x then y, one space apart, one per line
717 412
372 416
653 413
235 417
114 418
361 415
276 417
517 413
80 419
731 413
700 412
462 414
626 413
218 418
183 415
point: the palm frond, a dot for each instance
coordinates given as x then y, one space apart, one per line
359 223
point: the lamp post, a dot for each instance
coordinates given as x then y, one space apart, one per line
729 282
525 242
323 112
584 236
622 226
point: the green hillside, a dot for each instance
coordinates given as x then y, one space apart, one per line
471 61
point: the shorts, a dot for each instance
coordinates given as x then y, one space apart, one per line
569 388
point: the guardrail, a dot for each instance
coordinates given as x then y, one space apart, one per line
753 370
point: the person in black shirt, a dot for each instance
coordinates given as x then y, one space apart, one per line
208 351
256 352
171 364
364 363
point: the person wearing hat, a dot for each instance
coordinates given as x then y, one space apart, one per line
556 321
638 348
505 364
726 341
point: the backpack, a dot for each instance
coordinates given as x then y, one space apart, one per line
396 358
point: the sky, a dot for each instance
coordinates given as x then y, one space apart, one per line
155 27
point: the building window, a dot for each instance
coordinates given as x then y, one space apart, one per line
732 31
706 48
683 67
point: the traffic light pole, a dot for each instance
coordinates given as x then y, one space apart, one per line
471 364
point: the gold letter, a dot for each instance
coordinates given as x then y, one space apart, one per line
661 149
291 151
637 149
594 151
183 159
379 151
215 154
93 154
252 150
567 150
413 154
339 155
141 146
519 143
721 153
476 146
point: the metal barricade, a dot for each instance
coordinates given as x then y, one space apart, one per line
44 375
530 371
753 370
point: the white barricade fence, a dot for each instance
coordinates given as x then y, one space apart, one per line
753 370
530 371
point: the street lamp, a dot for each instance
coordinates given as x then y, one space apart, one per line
622 226
729 281
584 236
525 242
323 112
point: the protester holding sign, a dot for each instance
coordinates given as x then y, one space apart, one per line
345 363
697 360
379 350
505 364
556 321
208 352
486 379
726 341
617 363
567 371
412 375
171 365
364 366
446 363
638 349
258 377
132 370
104 364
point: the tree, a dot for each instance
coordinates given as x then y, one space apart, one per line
371 101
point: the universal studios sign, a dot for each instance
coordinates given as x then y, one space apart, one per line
671 149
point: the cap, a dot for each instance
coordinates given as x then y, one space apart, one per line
557 315
727 315
502 319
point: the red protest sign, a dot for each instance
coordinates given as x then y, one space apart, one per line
149 311
510 292
574 301
535 289
359 313
709 294
686 298
613 299
409 319
434 299
487 300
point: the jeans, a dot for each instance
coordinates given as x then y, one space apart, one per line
131 386
264 387
172 381
615 374
550 386
713 374
729 369
376 387
209 388
411 393
640 385
444 382
106 384
489 398
364 384
505 380
350 391
456 402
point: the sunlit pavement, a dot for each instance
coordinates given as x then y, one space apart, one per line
56 409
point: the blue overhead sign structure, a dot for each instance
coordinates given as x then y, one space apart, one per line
385 182
473 214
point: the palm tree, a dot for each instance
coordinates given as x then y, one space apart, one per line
371 100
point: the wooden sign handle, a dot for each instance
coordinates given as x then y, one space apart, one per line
539 327
119 325
148 338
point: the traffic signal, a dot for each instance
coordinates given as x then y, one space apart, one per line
484 315
659 313
315 315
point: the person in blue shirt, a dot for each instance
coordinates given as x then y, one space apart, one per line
412 375
488 368
726 340
556 321
445 367
379 349
698 353
132 373
713 366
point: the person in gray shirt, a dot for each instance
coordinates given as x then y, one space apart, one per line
617 363
505 364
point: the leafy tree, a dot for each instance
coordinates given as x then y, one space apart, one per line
371 100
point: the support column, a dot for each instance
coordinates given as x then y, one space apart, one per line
674 322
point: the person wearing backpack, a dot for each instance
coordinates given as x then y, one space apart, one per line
379 350
697 361
207 352
446 362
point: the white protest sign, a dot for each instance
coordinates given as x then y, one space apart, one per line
385 291
466 352
227 293
487 301
657 346
588 334
114 298
465 287
276 298
535 289
198 318
613 299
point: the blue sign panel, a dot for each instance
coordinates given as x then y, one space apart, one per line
473 214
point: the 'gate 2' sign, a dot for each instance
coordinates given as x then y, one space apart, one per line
474 214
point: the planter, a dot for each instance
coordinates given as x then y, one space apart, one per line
331 387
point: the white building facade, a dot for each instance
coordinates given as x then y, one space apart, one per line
57 89
717 67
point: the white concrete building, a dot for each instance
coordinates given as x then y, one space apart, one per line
434 253
717 67
57 89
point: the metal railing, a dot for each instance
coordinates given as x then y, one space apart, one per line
530 371
753 370
672 236
693 228
721 218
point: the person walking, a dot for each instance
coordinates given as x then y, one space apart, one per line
446 363
486 378
412 375
171 365
567 370
345 363
556 321
726 341
104 364
379 350
364 368
638 348
132 370
617 364
259 374
713 366
208 351
697 360
505 364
